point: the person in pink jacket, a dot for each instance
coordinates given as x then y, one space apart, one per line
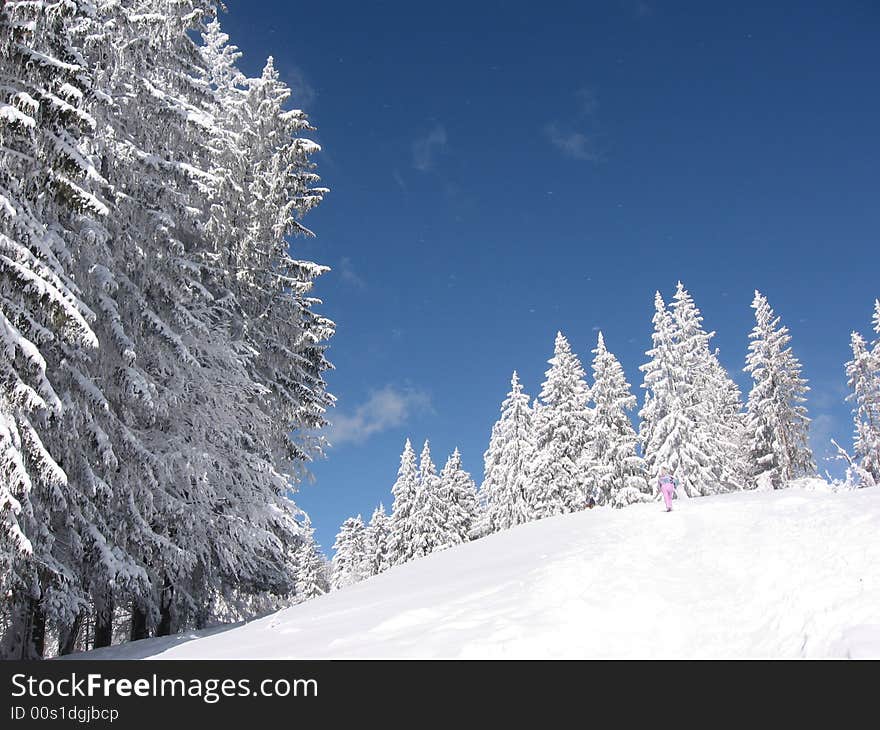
666 483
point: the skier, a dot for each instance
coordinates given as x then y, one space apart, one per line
666 483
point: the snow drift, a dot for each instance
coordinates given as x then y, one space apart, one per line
791 573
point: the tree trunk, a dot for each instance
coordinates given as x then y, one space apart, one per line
38 628
138 623
68 636
103 622
165 627
17 639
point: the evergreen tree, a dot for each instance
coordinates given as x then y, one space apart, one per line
430 511
712 396
47 194
221 313
458 495
618 474
311 579
350 561
561 436
511 452
669 419
690 421
731 431
776 421
378 536
146 169
863 378
490 463
401 541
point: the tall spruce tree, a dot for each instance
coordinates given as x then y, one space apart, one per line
618 473
507 485
561 424
430 513
669 427
401 541
491 457
378 534
776 420
712 396
350 560
690 420
458 495
174 186
863 378
310 569
47 194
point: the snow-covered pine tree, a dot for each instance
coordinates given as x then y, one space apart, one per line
430 513
264 184
712 397
252 386
291 343
863 378
669 421
378 535
730 422
401 546
311 580
210 367
875 320
273 178
618 472
350 561
47 185
491 457
776 419
561 424
137 272
508 461
458 495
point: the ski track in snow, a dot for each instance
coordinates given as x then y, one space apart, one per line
792 573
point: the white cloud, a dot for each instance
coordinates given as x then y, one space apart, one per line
303 94
575 138
425 148
349 275
571 143
821 429
386 408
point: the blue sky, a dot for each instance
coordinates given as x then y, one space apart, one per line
500 171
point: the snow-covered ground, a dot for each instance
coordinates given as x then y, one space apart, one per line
792 573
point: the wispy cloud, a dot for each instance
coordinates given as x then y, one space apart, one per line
386 408
348 274
572 143
823 428
303 95
575 139
425 148
827 395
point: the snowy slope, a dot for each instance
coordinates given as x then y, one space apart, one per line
758 574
